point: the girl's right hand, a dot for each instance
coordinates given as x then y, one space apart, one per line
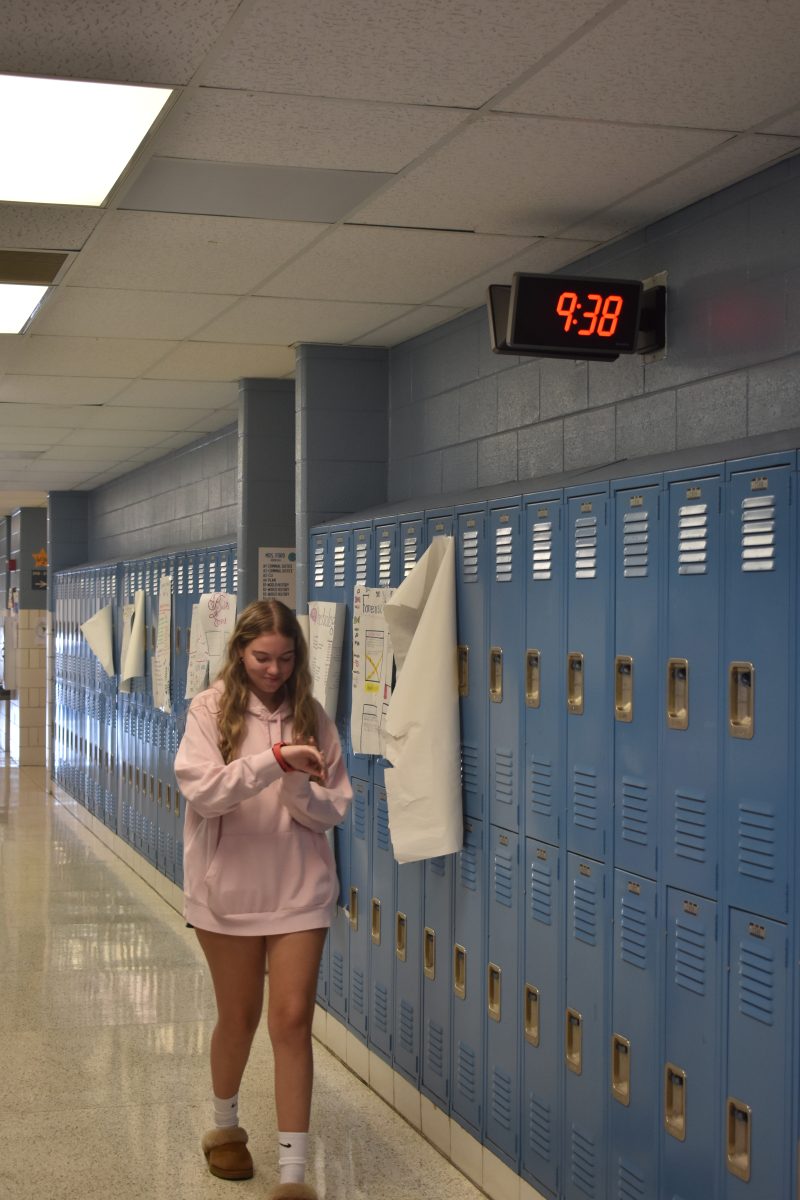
305 758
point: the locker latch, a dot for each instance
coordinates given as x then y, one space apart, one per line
533 694
573 1038
460 971
496 675
531 1014
739 1126
741 699
621 1069
429 952
463 671
375 922
575 683
678 693
675 1101
354 908
623 688
400 940
494 979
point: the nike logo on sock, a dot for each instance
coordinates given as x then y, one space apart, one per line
286 1145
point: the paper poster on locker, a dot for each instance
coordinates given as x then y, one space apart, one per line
197 666
213 620
325 633
133 639
99 633
161 658
372 669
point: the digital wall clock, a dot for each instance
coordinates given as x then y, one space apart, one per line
567 316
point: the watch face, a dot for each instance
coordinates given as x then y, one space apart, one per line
574 317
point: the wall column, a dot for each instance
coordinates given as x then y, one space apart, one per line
67 546
25 656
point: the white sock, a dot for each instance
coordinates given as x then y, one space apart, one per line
226 1112
292 1148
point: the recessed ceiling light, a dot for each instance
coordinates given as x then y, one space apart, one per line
18 302
68 141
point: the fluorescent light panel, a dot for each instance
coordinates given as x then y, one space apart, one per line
67 142
18 302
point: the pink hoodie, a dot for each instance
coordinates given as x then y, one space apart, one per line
256 858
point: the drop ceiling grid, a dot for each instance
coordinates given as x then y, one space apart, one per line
58 390
88 356
46 226
178 393
131 313
285 320
224 361
543 256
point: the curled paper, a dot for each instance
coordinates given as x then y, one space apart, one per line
99 633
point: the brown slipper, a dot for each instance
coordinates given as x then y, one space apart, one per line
292 1191
227 1154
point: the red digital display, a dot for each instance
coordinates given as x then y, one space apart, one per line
573 317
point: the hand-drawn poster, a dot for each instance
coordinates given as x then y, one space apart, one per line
161 659
325 632
372 669
213 620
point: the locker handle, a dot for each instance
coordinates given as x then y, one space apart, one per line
575 683
574 1041
463 671
460 971
169 797
429 952
375 922
160 795
531 1014
675 1101
741 699
496 675
354 908
621 1069
177 639
153 638
623 688
739 1125
495 983
533 687
401 936
678 693
177 803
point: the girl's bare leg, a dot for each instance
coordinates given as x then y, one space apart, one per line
237 966
294 960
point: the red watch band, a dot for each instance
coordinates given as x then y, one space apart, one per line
279 759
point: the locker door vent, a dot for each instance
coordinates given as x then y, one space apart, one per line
633 933
501 1098
181 579
338 565
630 1182
541 787
212 576
223 577
504 776
635 538
503 880
584 798
190 575
504 554
465 1071
382 826
757 982
384 562
756 842
541 892
691 822
693 539
469 555
758 533
438 866
540 1126
584 907
436 1048
470 771
357 991
361 562
585 547
583 1166
319 565
380 1014
235 576
360 815
635 812
542 550
468 865
409 551
406 1031
691 951
337 972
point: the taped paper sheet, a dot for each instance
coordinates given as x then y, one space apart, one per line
213 620
134 645
325 632
99 633
161 662
127 624
421 733
372 669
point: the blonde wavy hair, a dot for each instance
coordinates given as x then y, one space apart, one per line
263 616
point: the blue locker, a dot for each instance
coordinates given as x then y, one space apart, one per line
689 827
543 1004
469 958
386 567
757 1104
339 936
358 894
760 621
545 785
360 568
503 987
590 694
635 1075
339 588
408 971
690 1112
586 1029
382 910
506 591
471 587
437 940
438 523
637 674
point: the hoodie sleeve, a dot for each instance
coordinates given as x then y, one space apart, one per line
209 785
319 808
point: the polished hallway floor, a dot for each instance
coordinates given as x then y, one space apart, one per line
105 1017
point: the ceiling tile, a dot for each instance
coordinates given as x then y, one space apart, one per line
9 500
29 438
72 453
224 361
788 124
214 422
531 176
99 441
453 52
56 389
546 255
137 41
10 346
173 253
115 313
713 65
66 416
399 266
285 320
123 419
106 357
419 320
46 226
176 393
301 131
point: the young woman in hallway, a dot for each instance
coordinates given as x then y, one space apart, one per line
261 769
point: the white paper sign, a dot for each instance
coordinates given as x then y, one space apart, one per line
127 625
372 669
277 576
133 645
161 675
213 620
325 633
99 633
